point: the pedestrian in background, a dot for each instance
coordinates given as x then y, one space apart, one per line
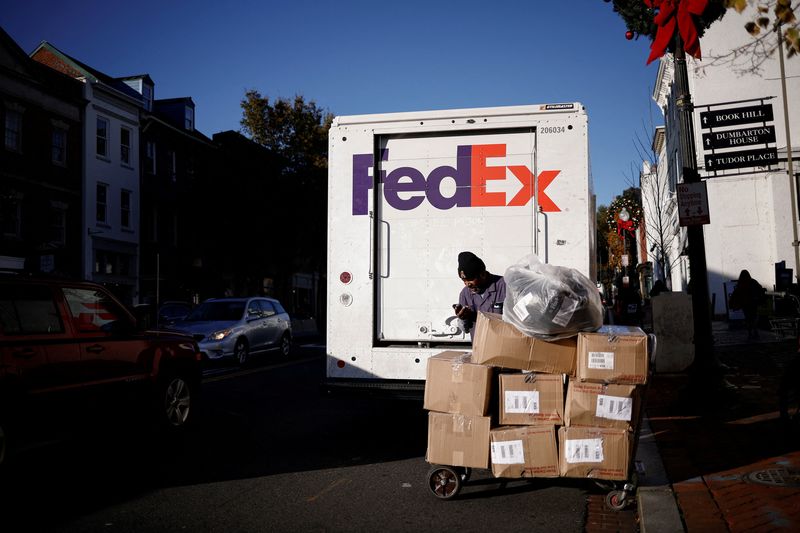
747 295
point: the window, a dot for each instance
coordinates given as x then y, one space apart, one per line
125 208
58 225
13 137
10 215
189 119
91 310
102 137
59 146
173 165
125 146
153 234
112 263
150 157
29 310
147 93
102 203
267 309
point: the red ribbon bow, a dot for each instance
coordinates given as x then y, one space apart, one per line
624 225
670 14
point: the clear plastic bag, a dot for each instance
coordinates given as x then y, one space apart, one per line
550 302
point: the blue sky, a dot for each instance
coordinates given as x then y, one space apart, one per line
354 57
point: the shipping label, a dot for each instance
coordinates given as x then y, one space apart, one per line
584 450
614 407
601 360
521 307
520 401
508 452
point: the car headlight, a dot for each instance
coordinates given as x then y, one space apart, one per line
219 335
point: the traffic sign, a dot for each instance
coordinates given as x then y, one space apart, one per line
742 137
743 158
735 116
693 204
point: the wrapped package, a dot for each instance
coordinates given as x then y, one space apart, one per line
550 302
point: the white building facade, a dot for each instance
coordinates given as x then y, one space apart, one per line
111 175
750 208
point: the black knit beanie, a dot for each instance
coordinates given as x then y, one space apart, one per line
470 264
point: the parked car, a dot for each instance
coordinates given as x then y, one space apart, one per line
63 340
169 312
239 327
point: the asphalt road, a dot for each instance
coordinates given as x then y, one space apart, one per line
270 453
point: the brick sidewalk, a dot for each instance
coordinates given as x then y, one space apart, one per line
730 463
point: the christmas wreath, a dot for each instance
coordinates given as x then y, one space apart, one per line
659 19
625 215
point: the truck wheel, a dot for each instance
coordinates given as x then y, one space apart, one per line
241 351
444 482
176 400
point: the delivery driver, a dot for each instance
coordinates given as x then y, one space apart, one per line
482 291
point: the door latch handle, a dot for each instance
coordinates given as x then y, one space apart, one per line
24 354
95 349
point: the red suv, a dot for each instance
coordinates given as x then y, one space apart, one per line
63 339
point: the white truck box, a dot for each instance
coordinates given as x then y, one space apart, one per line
408 191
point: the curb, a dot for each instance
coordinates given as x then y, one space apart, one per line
658 508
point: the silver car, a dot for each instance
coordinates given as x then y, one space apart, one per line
238 327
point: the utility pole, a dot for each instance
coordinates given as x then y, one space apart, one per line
789 166
704 365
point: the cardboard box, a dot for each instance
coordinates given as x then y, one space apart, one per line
599 453
613 354
602 405
498 343
458 440
531 399
524 451
456 385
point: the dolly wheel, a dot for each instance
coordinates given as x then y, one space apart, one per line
616 500
444 482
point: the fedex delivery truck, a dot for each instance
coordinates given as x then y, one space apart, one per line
408 191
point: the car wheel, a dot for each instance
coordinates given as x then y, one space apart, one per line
286 344
177 400
241 351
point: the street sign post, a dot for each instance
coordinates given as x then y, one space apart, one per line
693 204
742 158
742 137
735 116
722 137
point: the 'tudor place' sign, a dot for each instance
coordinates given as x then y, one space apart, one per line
744 158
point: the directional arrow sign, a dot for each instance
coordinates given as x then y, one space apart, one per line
735 116
741 159
742 137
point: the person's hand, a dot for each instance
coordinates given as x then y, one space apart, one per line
465 313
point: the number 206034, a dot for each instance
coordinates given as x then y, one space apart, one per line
552 129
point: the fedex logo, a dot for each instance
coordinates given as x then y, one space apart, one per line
471 174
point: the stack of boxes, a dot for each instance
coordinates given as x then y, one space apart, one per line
532 408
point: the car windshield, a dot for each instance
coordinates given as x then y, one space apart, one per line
217 311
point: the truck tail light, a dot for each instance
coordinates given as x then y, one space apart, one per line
345 277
